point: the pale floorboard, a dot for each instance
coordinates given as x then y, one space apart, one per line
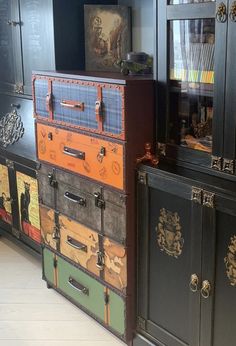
32 315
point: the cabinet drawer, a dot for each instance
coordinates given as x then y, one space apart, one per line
101 302
102 206
89 156
80 287
97 254
79 243
115 264
86 105
48 227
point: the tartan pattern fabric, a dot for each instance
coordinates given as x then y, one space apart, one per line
41 90
61 91
112 111
75 92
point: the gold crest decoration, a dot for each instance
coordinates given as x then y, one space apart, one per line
169 236
230 261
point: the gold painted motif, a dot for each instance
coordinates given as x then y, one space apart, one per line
230 262
169 236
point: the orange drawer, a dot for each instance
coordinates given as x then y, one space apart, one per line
89 156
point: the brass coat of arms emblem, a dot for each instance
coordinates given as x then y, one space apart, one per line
169 236
230 261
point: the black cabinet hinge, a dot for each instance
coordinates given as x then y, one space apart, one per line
141 323
55 263
142 178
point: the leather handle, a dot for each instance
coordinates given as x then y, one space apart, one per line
75 199
74 153
76 244
72 105
77 286
49 102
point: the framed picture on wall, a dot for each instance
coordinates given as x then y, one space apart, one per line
107 36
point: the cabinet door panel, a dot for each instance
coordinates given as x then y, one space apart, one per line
230 102
224 332
37 32
5 196
10 50
191 75
170 311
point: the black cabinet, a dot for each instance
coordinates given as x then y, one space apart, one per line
39 35
196 82
187 248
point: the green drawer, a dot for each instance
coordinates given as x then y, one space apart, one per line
117 313
83 289
48 266
96 298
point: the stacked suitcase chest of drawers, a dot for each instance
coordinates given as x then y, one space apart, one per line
89 131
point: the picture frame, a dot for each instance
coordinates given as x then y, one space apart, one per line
107 36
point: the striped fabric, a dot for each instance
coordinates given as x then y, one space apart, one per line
112 111
61 91
75 92
41 90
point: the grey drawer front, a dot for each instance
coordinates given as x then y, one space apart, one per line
84 210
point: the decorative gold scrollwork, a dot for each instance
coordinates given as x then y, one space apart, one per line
230 262
232 13
221 13
169 236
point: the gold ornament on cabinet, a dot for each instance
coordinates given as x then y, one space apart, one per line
169 236
230 261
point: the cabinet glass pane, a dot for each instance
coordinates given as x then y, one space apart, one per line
191 73
178 2
6 43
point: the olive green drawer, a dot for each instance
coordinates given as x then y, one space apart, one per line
92 295
83 289
49 271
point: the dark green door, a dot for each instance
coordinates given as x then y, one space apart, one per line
170 231
10 46
219 269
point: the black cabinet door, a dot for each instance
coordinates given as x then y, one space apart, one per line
10 47
37 38
230 102
192 43
219 268
170 232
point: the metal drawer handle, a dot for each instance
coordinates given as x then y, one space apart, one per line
74 153
232 13
72 104
76 244
75 199
206 289
221 13
194 281
77 286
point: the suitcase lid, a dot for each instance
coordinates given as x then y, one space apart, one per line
99 77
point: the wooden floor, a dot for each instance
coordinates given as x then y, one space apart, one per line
32 315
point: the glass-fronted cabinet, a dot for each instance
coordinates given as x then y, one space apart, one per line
193 75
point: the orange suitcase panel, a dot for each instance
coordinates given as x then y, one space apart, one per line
92 157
